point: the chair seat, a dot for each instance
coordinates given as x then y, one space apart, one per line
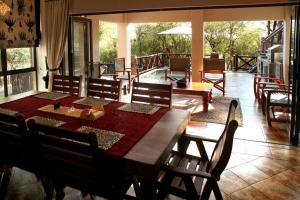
279 98
184 162
126 77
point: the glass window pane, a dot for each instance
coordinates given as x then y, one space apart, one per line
1 88
19 58
19 83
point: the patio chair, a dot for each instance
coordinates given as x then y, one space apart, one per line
109 89
183 175
179 64
152 93
71 158
67 84
12 147
214 72
120 72
277 99
270 80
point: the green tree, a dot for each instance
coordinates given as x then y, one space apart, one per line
148 41
230 38
108 42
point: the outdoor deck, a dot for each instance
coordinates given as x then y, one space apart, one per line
262 165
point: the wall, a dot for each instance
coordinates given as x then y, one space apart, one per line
106 6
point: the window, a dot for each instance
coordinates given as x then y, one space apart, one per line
19 58
18 72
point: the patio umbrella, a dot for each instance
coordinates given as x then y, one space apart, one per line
181 30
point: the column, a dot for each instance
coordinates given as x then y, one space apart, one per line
197 43
123 43
286 44
95 38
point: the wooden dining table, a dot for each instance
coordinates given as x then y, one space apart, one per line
145 157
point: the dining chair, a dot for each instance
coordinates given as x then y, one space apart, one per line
71 158
214 72
102 88
67 84
179 64
185 175
152 93
12 147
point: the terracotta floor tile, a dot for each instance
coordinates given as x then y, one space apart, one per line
235 161
275 190
249 173
288 178
248 193
230 182
296 169
268 166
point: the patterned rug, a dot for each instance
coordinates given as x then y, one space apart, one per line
218 111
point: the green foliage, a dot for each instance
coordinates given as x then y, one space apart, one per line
108 42
230 38
148 41
18 58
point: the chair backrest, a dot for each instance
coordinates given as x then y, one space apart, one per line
152 93
67 84
120 64
223 147
103 88
181 64
13 129
73 159
213 65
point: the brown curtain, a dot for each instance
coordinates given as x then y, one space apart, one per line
56 31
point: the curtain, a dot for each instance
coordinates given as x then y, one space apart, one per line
56 32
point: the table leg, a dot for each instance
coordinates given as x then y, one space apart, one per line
205 99
148 191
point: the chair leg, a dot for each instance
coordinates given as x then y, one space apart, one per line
4 181
206 190
48 188
268 114
216 190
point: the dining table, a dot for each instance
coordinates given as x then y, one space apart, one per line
148 138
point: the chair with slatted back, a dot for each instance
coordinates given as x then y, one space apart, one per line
67 84
71 158
152 93
108 89
214 72
12 146
179 64
183 174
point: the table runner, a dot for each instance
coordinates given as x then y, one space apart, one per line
133 125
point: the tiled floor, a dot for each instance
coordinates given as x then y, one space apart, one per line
262 165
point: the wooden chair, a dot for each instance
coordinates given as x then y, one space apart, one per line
152 93
67 84
179 64
124 74
214 72
12 147
277 98
183 174
70 158
109 89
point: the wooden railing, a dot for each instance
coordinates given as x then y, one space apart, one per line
241 62
157 60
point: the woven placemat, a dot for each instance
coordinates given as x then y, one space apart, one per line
7 111
106 139
88 101
52 95
47 121
139 108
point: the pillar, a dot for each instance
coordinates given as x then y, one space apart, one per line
123 42
197 44
95 38
286 44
